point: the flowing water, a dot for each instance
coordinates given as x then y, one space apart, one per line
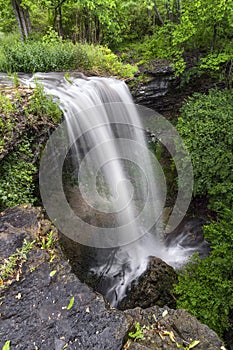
114 177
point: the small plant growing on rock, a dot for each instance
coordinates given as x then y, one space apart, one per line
138 333
11 266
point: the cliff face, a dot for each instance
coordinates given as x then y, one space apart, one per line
156 86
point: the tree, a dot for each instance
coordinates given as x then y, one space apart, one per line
23 19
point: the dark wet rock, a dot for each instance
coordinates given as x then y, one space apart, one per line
158 87
153 287
34 311
157 92
166 328
16 224
83 259
189 234
40 317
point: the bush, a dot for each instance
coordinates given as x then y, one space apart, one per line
17 172
53 54
206 125
42 105
25 118
103 61
32 57
205 286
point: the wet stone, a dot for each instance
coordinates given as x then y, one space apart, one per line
164 328
36 311
33 310
154 287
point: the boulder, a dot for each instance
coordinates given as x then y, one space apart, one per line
154 287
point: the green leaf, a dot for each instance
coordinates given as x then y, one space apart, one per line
194 343
52 273
6 346
71 303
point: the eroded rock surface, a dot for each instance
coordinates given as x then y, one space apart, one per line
34 312
168 329
154 287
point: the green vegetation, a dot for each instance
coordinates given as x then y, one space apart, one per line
19 148
6 346
50 53
206 126
138 333
199 32
205 286
71 303
17 170
42 105
10 267
100 37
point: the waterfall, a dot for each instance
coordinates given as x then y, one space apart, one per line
115 187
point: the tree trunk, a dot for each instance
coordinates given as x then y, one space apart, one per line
23 19
28 20
158 14
60 25
214 38
15 7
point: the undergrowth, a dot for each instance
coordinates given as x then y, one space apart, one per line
26 117
205 286
16 173
53 54
206 126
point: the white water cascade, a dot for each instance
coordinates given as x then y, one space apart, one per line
116 177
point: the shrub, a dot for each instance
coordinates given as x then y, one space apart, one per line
206 125
103 61
53 54
205 286
41 105
25 119
38 56
17 171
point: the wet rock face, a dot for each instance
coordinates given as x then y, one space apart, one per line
33 313
166 329
158 89
189 234
40 318
17 224
152 288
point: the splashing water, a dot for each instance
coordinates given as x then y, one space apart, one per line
118 178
